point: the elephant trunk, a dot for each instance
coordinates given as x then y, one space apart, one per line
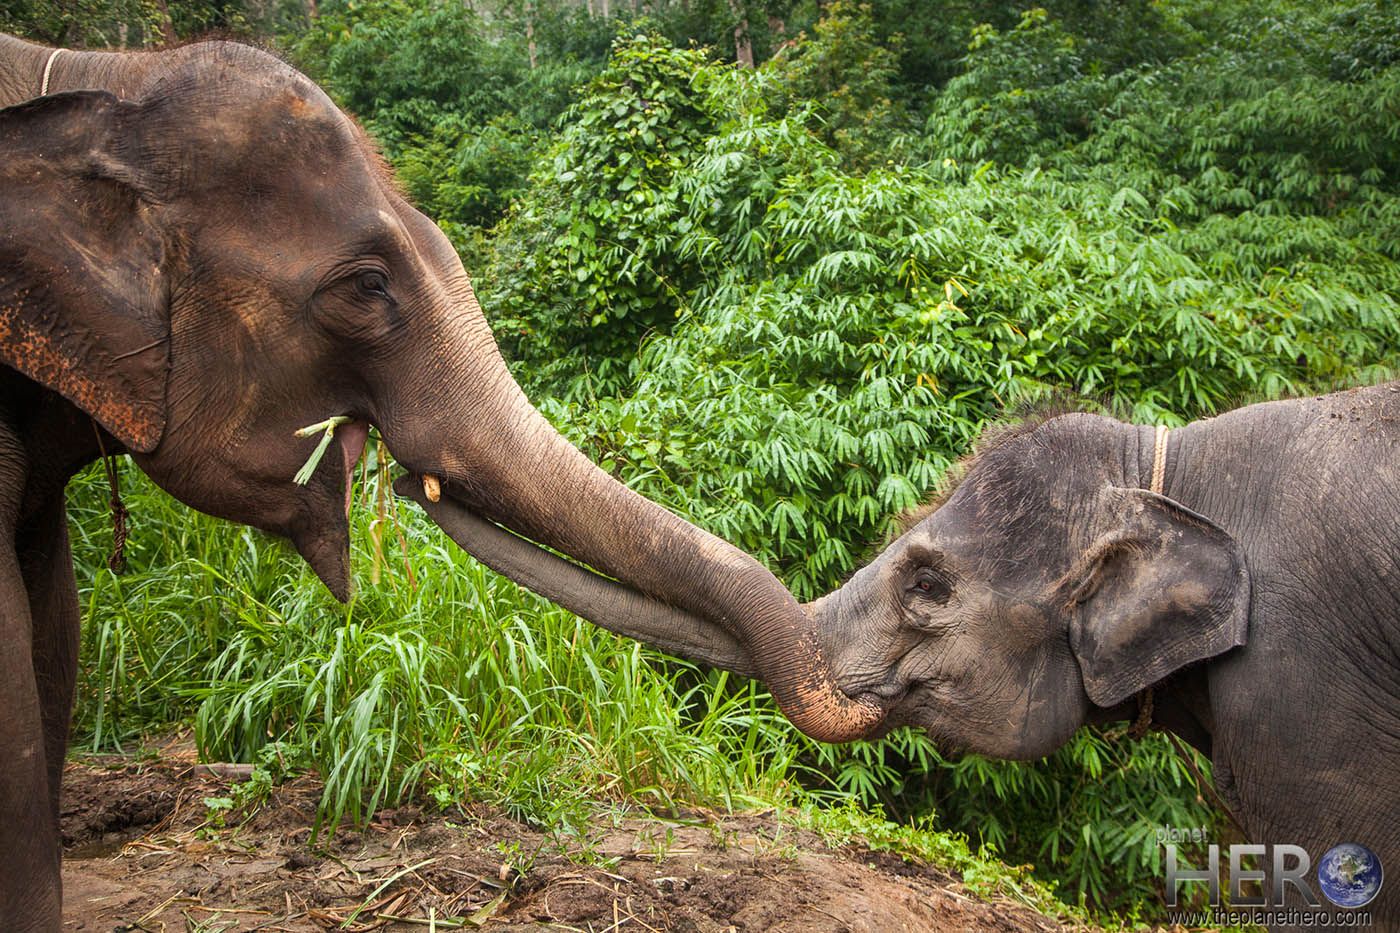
531 480
603 601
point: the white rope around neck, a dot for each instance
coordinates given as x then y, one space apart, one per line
1159 459
48 70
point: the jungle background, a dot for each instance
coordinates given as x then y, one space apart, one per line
775 265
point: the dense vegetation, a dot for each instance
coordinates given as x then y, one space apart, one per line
782 300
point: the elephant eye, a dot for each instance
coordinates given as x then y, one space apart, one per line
931 586
373 284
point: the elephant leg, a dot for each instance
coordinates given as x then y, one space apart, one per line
30 886
29 882
47 566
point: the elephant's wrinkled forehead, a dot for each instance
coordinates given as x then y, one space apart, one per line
251 125
1022 494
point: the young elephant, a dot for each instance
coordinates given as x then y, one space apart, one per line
1245 569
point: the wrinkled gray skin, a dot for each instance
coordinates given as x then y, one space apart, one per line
200 254
1260 594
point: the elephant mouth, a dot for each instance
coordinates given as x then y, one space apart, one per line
885 694
887 688
352 438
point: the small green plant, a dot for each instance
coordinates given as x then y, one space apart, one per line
654 844
254 791
516 862
216 812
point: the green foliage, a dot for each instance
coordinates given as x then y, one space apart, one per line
1017 97
1367 40
719 24
587 262
849 75
456 99
136 24
405 68
464 176
94 22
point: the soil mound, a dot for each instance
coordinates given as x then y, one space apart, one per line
142 854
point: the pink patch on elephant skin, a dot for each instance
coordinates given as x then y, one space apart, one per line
352 437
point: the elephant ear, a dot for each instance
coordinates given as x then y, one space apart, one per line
82 295
1163 588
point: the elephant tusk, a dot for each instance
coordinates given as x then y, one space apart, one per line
432 489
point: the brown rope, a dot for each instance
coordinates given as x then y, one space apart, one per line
1143 724
48 71
1159 459
116 561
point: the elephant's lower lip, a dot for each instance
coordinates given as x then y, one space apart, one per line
352 437
883 696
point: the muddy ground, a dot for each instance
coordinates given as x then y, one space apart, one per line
140 855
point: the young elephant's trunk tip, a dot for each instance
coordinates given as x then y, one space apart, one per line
803 684
826 714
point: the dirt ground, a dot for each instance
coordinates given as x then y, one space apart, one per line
140 856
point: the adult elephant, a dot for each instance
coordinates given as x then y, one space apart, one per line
200 254
1236 581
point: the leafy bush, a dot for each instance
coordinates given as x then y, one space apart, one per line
587 262
461 105
464 175
405 68
848 75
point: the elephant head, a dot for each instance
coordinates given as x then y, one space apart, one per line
223 259
1049 587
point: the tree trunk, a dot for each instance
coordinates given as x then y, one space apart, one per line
743 44
167 27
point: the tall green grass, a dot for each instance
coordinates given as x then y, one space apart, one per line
457 684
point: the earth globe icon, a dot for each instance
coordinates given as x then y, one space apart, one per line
1350 875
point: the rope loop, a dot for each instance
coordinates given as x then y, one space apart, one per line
116 561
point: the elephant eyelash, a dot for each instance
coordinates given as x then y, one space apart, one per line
372 283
